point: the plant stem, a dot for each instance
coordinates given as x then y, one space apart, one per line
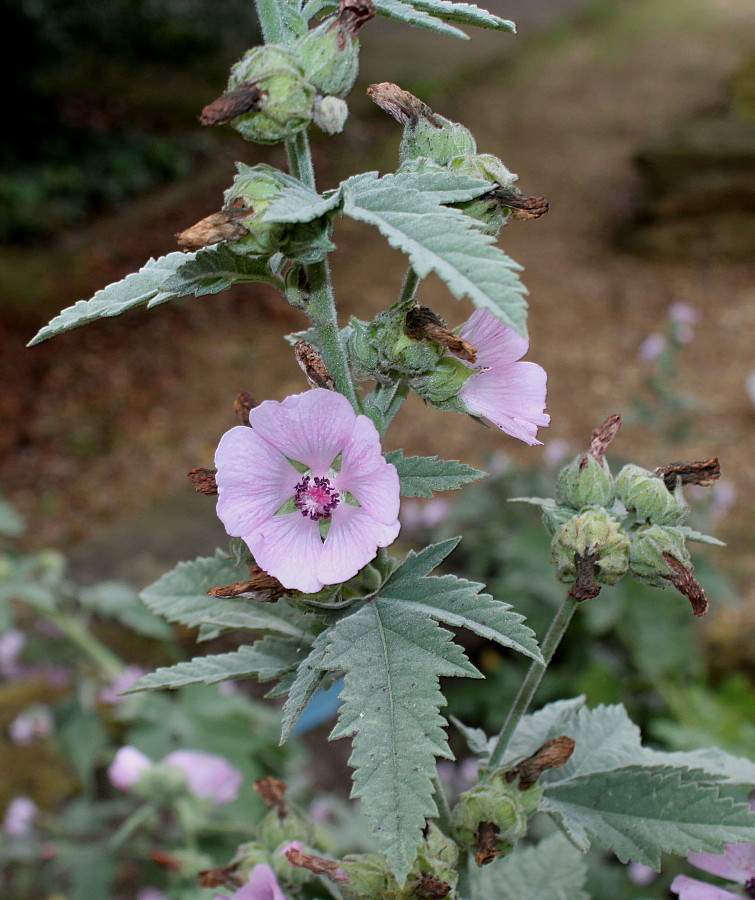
268 12
444 810
533 678
105 660
411 283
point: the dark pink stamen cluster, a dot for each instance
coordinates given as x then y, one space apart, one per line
315 497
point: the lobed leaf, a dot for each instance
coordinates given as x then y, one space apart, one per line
419 476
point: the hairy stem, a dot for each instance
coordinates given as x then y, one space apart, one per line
411 283
533 678
444 810
271 23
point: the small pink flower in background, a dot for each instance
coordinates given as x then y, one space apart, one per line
557 451
341 451
652 347
19 817
719 497
735 864
150 893
421 514
11 645
122 682
683 317
261 885
32 725
505 390
209 775
640 874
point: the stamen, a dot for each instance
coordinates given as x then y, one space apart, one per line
750 887
315 497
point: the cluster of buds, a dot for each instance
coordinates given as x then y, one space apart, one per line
431 142
604 528
275 91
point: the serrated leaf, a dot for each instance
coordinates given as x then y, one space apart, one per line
458 602
640 812
439 239
392 660
266 659
181 596
121 602
476 739
212 270
406 12
464 14
299 203
309 674
419 476
134 290
554 869
699 537
713 762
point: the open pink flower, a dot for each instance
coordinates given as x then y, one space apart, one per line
736 864
508 392
307 488
261 885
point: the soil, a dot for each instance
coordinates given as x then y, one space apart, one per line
100 425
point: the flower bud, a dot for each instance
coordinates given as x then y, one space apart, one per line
368 877
586 481
248 856
330 52
276 829
444 382
647 496
503 806
556 516
437 856
436 138
647 550
592 534
382 350
286 100
330 114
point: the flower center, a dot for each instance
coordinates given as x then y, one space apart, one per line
315 497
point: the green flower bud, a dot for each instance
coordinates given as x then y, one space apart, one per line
596 534
498 802
437 855
362 351
382 349
444 382
286 107
369 878
275 830
436 138
249 855
581 485
330 56
556 516
647 496
330 114
646 554
161 784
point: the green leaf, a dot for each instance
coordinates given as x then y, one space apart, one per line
698 536
426 14
713 761
212 270
639 812
134 290
299 203
392 660
266 659
421 475
536 728
407 12
121 602
11 524
308 677
464 13
476 739
181 596
554 869
439 239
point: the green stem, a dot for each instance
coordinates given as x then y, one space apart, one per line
402 390
138 818
411 283
533 678
444 810
106 661
271 23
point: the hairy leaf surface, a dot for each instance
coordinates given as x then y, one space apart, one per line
309 674
421 475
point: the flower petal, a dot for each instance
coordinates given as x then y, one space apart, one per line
126 767
207 774
351 543
311 428
365 473
511 396
254 480
692 889
496 343
736 863
261 885
288 547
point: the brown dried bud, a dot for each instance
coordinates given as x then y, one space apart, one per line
352 14
204 481
317 864
485 843
242 404
247 97
586 586
220 226
430 887
551 755
166 860
221 876
684 581
313 366
399 103
272 791
703 473
522 208
601 438
264 588
423 324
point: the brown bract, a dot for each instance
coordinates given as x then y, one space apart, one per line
352 14
423 324
220 226
222 875
601 438
272 791
430 887
522 208
684 581
585 587
399 103
485 843
313 366
243 403
260 586
204 481
551 755
703 473
246 97
317 864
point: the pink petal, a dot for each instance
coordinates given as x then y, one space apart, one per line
351 543
365 473
126 767
496 343
692 889
19 817
208 775
736 863
511 396
254 480
288 546
261 885
311 428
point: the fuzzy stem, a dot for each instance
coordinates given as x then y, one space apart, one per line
271 23
444 810
411 283
533 678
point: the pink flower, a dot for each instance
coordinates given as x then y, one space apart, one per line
19 817
122 682
508 392
32 725
313 527
736 864
261 885
11 645
208 775
652 347
127 767
150 893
